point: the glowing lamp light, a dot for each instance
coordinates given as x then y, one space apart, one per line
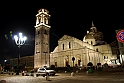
20 40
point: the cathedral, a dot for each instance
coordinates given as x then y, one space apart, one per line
92 48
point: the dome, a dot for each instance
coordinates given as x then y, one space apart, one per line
89 36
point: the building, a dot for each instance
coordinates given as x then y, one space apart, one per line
26 62
91 49
42 34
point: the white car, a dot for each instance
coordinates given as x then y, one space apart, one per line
46 71
113 65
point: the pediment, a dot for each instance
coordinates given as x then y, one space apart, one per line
65 37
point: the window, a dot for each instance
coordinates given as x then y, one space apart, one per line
63 46
44 20
55 64
91 42
45 32
55 60
97 50
39 19
37 52
69 45
36 43
38 32
104 57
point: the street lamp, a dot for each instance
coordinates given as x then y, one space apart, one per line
73 59
5 62
19 40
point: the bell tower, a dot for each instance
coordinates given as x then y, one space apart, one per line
42 35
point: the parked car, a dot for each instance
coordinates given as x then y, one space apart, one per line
46 71
113 65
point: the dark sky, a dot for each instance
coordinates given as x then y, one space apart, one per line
71 18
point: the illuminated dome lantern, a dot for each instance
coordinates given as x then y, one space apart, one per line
93 36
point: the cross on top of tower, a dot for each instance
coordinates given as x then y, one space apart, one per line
92 24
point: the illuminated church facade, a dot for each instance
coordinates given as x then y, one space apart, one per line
91 49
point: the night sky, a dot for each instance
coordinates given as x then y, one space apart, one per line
70 18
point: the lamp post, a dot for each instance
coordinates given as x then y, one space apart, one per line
73 59
5 62
19 40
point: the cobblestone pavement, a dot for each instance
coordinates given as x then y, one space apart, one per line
96 77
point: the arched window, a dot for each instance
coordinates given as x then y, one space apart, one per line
69 45
63 46
104 57
66 61
39 20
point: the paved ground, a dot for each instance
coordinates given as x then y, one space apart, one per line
81 77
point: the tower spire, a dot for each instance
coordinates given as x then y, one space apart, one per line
92 24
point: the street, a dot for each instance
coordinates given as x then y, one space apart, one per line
81 77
